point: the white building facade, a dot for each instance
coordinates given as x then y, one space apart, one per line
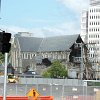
90 31
84 25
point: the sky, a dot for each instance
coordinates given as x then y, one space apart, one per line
43 18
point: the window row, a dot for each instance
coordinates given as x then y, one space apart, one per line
94 29
55 55
27 55
95 17
92 55
94 23
45 55
93 49
94 42
94 10
93 36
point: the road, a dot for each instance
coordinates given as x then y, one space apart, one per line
47 89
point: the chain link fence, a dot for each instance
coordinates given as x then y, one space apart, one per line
60 89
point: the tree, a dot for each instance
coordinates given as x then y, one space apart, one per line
46 74
56 70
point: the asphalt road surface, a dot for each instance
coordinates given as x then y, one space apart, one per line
48 89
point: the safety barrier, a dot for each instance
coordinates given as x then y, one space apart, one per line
45 98
26 98
15 98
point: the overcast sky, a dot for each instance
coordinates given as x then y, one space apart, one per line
42 17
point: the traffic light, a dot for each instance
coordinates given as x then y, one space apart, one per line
4 42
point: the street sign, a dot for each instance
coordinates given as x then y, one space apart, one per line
33 93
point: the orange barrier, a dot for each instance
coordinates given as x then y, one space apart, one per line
15 98
1 98
45 98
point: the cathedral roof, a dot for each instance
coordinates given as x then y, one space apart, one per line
56 43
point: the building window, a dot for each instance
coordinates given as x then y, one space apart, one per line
29 56
98 42
35 55
94 10
96 36
96 23
26 56
96 17
91 55
96 29
23 55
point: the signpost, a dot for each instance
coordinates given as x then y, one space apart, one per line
4 49
33 94
5 76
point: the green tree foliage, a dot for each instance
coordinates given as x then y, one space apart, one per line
46 74
56 70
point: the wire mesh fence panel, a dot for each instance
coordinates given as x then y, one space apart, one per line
58 90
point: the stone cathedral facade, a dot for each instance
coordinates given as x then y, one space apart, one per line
31 51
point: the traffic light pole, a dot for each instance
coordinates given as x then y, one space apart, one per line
5 76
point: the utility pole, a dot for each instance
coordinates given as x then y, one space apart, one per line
5 76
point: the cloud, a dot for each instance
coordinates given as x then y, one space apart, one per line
75 5
15 29
64 28
70 26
